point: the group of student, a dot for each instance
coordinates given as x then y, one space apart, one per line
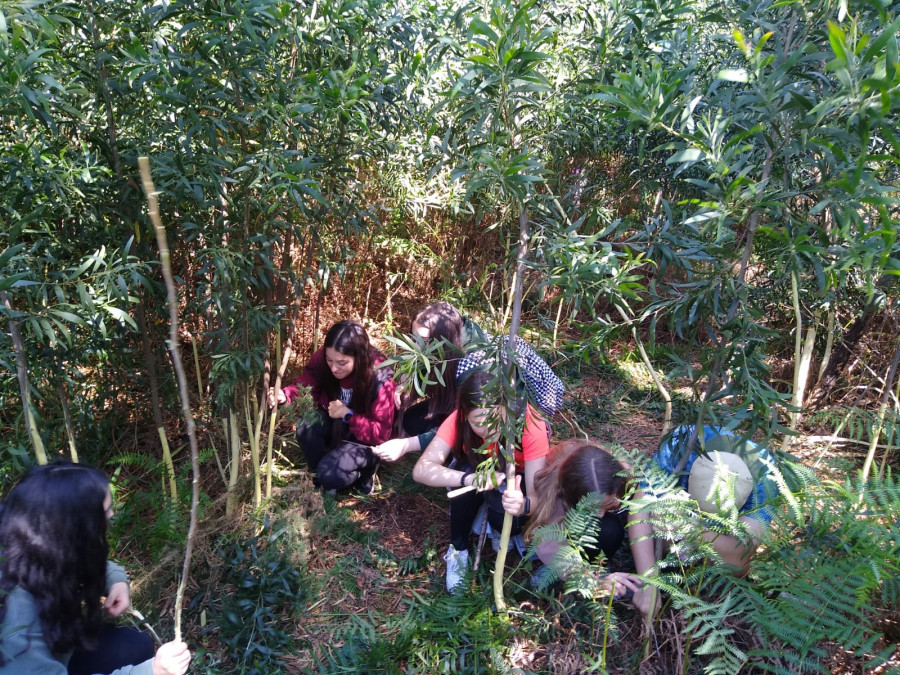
456 427
54 571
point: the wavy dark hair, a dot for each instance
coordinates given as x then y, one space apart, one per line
53 545
574 469
350 339
443 321
470 396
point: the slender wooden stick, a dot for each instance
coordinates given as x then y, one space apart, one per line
24 388
153 209
482 533
511 347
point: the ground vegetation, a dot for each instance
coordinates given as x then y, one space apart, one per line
690 208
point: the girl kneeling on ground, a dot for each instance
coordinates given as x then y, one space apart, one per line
420 421
575 469
54 574
355 403
458 438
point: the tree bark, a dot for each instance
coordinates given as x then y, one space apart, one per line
172 301
24 387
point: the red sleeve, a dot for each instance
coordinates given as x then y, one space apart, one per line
376 427
447 431
310 377
535 441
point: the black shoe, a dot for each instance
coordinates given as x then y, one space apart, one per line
364 486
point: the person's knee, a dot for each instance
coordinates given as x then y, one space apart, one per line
331 476
611 534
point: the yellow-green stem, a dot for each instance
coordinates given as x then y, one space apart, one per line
235 464
169 464
199 374
254 456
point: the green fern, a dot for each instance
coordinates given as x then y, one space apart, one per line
457 633
832 554
825 571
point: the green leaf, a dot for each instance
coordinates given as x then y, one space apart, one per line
838 42
733 75
119 315
687 155
68 316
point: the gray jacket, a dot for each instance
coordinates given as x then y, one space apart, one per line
22 636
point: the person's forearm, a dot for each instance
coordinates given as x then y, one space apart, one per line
642 544
437 475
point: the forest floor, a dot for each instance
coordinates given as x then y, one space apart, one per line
371 594
377 556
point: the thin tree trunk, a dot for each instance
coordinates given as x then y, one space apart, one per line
197 369
660 387
559 309
234 446
285 360
150 362
829 345
521 256
253 431
803 351
24 387
171 298
882 411
67 418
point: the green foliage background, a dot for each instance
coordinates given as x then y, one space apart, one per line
722 173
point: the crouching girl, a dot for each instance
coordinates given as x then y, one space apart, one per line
458 438
54 574
355 402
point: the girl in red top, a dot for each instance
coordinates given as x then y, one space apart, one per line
356 408
460 435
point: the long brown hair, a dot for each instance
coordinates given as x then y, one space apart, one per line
350 338
471 396
574 469
443 321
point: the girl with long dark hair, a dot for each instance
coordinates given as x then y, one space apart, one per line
459 437
420 421
53 576
356 408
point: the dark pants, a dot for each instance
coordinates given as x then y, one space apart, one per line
118 647
416 420
464 509
610 536
332 452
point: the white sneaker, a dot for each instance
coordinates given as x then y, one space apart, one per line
457 562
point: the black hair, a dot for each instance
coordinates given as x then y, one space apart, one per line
470 396
53 541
